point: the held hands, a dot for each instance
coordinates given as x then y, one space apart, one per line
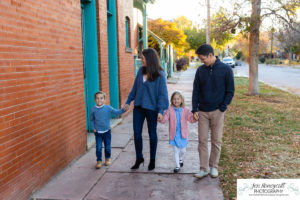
125 107
159 117
196 116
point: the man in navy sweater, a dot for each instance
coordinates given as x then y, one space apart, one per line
213 90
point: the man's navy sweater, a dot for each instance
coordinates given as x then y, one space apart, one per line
151 95
213 87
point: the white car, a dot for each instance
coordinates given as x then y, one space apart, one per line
229 61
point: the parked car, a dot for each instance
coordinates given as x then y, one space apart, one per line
229 61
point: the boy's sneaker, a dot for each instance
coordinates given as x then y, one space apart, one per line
201 174
99 164
181 163
214 172
177 169
107 162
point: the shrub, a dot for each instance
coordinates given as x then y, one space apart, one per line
273 61
239 55
181 63
187 59
262 59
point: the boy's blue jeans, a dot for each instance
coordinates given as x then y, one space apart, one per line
139 115
106 138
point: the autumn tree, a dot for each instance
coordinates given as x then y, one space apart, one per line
168 31
283 11
195 37
220 38
183 23
290 40
241 44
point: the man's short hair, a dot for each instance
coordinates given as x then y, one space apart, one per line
205 50
100 92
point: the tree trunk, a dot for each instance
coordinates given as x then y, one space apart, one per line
290 55
253 47
272 45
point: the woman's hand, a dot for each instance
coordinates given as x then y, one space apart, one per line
159 117
125 107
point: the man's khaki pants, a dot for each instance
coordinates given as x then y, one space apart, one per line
214 121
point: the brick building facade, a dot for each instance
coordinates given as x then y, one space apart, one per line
43 94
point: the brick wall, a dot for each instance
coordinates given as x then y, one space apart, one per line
103 47
42 108
125 58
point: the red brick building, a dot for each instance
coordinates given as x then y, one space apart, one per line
44 63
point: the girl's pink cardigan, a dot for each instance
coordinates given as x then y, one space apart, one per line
186 115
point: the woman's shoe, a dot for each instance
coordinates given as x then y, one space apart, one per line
137 163
151 165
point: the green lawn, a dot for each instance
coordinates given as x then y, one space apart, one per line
261 136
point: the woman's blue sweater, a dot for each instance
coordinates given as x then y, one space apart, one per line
151 95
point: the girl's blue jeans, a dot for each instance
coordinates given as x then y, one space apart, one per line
106 138
139 116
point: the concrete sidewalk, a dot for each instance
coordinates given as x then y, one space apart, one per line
82 181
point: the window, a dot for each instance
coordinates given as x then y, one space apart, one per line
140 42
107 5
127 30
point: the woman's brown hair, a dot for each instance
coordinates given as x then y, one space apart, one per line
153 68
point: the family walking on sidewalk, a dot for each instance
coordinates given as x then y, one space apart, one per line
213 90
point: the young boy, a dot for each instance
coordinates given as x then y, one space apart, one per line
100 122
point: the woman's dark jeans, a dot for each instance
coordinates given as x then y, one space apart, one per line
139 115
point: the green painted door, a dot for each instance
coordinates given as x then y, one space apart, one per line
112 53
90 55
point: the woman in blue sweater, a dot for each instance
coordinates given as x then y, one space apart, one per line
150 95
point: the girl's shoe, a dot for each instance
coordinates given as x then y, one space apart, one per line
99 164
177 169
181 163
151 165
137 163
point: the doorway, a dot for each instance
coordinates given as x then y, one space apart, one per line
90 56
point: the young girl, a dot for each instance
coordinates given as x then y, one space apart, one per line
178 116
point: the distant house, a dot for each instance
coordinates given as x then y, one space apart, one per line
142 35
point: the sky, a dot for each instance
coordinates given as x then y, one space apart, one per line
170 9
194 10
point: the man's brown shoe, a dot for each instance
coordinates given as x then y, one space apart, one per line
107 162
99 165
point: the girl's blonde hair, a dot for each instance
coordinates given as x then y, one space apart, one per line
181 96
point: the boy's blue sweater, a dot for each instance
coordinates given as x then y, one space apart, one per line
213 87
100 117
151 95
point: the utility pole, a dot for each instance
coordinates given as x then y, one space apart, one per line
208 22
272 37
